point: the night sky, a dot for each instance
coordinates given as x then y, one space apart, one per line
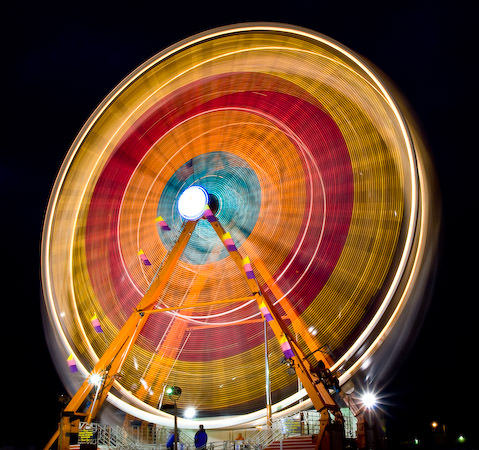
60 62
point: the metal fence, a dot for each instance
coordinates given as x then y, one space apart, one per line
146 436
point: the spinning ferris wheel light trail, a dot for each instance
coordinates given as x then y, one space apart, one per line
313 214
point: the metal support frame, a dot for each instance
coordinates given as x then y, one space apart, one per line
110 363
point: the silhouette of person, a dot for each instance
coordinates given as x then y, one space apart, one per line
170 444
201 438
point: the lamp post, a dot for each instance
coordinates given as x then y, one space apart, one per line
269 421
174 393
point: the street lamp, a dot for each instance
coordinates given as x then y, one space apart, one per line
369 400
174 393
190 413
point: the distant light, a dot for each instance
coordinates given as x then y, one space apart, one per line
434 424
190 413
461 439
95 379
192 202
369 400
416 441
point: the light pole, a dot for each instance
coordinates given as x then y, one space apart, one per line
174 393
269 420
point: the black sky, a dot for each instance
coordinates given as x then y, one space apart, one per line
59 62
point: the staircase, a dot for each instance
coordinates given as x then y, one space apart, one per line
293 443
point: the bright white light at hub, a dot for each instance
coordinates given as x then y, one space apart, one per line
192 202
190 413
369 400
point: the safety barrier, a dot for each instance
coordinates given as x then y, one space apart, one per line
153 437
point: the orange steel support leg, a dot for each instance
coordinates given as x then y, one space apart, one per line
65 433
359 412
53 439
318 394
110 362
168 352
323 441
296 321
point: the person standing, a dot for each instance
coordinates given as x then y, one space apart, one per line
170 443
201 438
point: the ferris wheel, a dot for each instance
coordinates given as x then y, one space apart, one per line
318 180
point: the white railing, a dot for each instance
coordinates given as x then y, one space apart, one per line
108 437
154 437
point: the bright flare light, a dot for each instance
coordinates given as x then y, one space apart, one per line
369 400
192 202
95 379
190 413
